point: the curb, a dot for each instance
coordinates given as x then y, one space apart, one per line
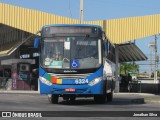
18 92
152 101
138 101
142 94
143 101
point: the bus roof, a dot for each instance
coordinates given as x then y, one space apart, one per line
73 25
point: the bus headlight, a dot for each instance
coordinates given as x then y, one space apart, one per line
95 81
45 81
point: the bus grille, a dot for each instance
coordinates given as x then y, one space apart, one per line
70 76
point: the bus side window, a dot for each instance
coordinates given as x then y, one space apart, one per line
106 48
110 52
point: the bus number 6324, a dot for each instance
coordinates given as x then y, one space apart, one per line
81 81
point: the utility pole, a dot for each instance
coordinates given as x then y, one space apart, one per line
151 45
156 62
81 11
154 46
150 73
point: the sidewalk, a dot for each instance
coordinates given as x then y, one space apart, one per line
138 97
137 94
18 92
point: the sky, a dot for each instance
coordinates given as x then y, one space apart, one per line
98 10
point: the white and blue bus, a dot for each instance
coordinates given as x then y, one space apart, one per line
75 61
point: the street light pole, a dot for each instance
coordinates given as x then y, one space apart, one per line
81 11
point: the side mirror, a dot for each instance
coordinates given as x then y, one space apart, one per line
36 42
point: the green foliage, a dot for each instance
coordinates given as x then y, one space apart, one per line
125 68
157 73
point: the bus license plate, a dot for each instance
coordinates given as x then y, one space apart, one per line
70 89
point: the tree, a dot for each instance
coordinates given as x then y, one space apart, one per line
125 68
157 74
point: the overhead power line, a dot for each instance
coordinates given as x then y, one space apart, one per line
69 7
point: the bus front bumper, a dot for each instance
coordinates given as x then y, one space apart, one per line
71 89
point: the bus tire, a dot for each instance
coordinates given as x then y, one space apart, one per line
109 97
54 99
65 98
100 99
72 98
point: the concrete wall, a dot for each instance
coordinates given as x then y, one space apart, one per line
146 88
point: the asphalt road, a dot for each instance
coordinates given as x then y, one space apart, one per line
36 102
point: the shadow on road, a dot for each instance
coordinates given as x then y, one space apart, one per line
117 101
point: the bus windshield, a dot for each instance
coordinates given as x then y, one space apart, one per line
71 52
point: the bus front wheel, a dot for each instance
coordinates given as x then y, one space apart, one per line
54 99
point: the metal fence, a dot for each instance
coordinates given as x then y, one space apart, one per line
131 86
